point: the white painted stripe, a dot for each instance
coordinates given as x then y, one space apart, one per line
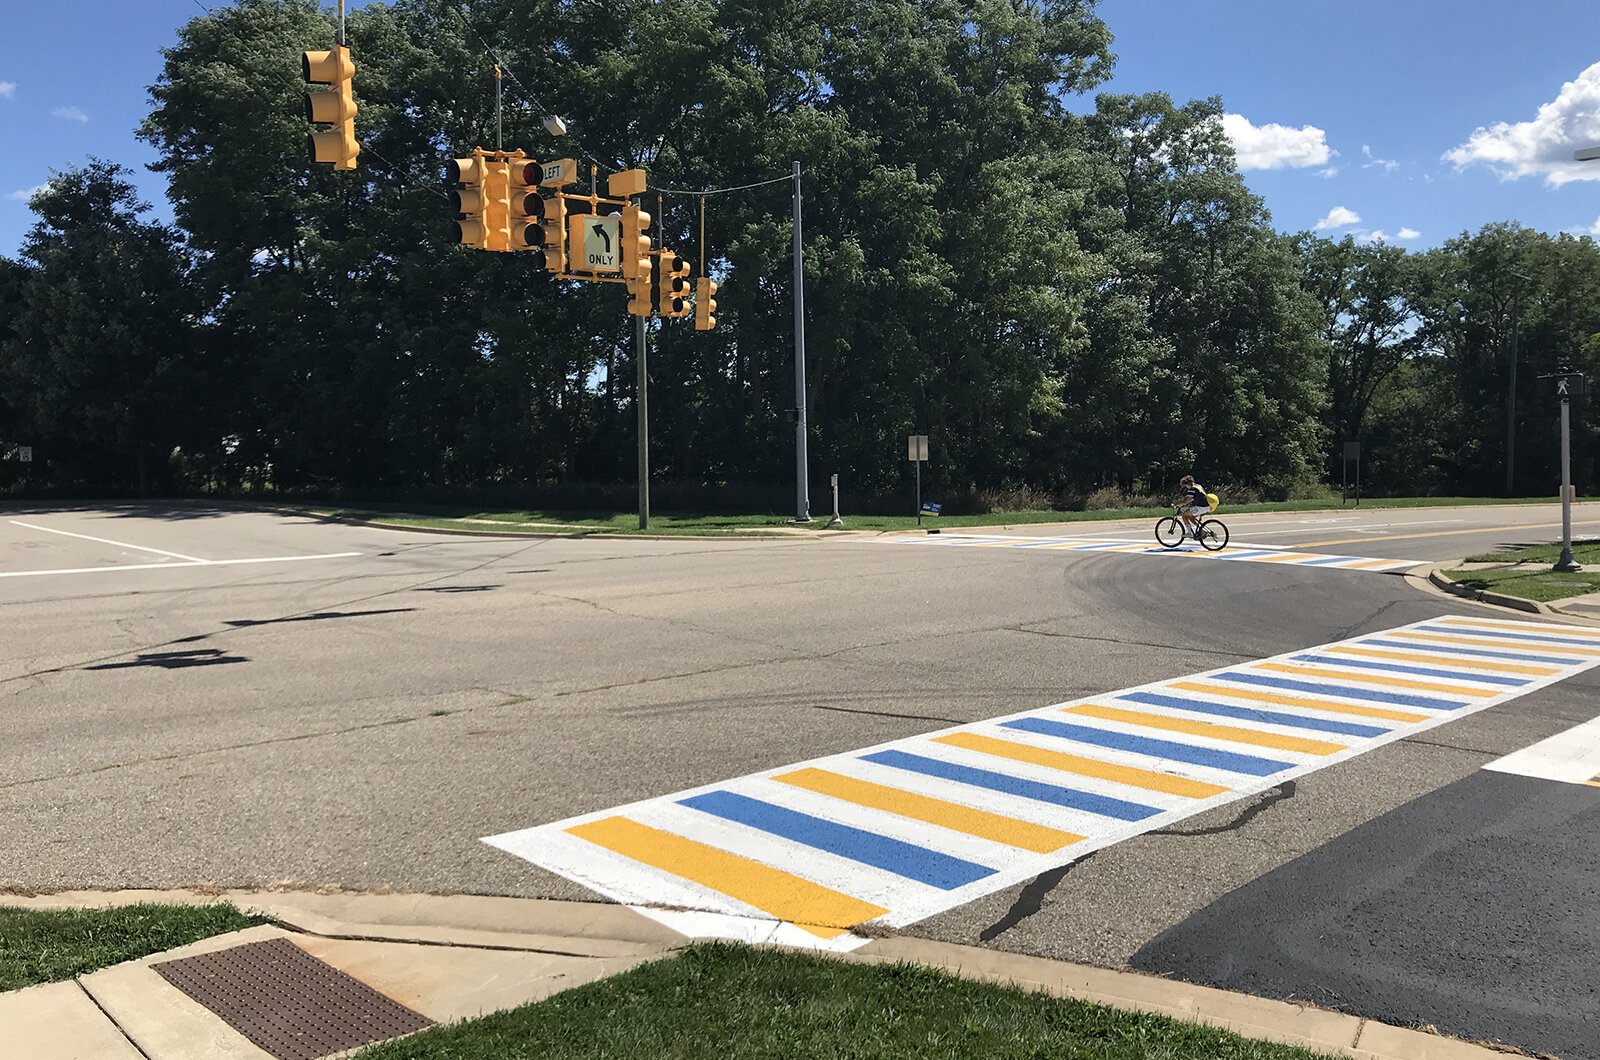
1572 757
107 541
197 564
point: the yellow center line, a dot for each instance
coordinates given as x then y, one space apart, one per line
1379 538
1231 733
981 823
812 907
1375 679
1503 645
1085 767
1438 659
1291 701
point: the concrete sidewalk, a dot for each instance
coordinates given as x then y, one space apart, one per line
449 958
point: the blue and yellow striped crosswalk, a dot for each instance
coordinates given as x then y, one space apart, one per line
1233 553
896 833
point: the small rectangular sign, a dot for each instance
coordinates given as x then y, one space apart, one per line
560 174
930 508
917 447
25 454
1352 450
596 243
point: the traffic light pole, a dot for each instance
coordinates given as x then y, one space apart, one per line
341 23
1565 563
641 401
802 494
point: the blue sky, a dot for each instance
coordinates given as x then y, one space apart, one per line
1409 120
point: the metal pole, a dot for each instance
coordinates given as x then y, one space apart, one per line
802 493
341 23
499 142
641 401
1511 397
1565 563
835 521
919 491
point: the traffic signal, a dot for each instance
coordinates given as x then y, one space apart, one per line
336 107
674 285
527 207
636 258
705 303
468 174
552 233
497 204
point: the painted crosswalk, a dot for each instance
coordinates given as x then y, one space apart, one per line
1233 553
1572 757
895 833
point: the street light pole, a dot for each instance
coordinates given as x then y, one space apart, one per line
802 491
1511 388
1565 563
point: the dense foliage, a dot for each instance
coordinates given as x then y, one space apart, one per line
1067 294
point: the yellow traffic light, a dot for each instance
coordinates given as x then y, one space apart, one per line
468 173
497 204
336 107
527 207
674 285
636 259
552 233
705 303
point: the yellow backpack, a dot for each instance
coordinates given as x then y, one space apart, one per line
1213 500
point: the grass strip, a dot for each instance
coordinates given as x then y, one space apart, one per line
1530 576
735 1002
48 945
544 521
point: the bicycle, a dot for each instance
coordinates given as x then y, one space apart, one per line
1211 533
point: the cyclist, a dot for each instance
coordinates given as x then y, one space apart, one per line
1192 504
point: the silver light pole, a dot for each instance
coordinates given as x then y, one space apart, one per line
802 493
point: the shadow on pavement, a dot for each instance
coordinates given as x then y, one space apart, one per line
320 616
175 660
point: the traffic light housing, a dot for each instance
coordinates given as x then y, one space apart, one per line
552 231
705 303
674 286
468 174
527 206
335 107
636 258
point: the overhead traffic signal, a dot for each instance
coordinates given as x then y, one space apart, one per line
468 175
336 107
705 303
552 231
527 207
674 285
635 259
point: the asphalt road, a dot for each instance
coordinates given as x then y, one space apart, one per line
252 697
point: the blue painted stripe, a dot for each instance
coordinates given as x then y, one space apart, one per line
1324 561
1517 656
903 859
1108 544
1248 553
1144 745
1423 671
1268 717
1089 802
1535 637
1330 689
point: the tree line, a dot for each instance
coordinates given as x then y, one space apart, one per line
1068 293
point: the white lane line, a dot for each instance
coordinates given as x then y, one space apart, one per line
108 541
1572 757
172 566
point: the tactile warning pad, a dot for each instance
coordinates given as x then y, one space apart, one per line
287 1002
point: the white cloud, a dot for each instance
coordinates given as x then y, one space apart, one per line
1594 229
70 114
1329 173
1276 146
25 194
8 89
1544 145
1407 234
1338 217
1379 236
1388 165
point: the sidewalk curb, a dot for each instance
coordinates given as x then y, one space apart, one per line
1434 581
386 929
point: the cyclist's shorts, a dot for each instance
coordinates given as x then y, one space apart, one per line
1198 509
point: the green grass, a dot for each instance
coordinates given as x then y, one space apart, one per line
733 1002
47 945
1531 578
540 521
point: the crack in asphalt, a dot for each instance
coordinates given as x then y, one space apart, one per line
1132 643
1031 900
1282 793
889 714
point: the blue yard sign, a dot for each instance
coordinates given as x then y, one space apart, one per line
930 508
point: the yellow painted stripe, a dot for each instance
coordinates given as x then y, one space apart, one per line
1287 557
957 818
1522 627
1083 767
1503 645
1441 659
1377 538
819 910
1303 701
1378 679
1205 728
1368 564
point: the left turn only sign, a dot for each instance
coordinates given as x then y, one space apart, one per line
600 239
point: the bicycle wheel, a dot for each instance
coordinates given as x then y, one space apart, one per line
1169 532
1213 535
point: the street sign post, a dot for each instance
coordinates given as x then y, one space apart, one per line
1352 451
917 452
835 521
1564 386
